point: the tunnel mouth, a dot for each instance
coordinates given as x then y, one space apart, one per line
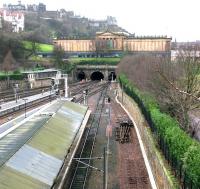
112 76
96 76
81 75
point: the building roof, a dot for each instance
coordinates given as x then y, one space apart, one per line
107 32
32 154
40 71
150 37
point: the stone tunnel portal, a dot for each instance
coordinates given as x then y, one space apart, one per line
112 76
81 75
96 76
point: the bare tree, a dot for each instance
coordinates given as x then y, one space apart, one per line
140 69
175 85
8 62
180 86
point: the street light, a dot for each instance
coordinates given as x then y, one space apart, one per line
25 99
85 93
15 91
50 94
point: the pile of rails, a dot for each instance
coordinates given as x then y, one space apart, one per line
122 131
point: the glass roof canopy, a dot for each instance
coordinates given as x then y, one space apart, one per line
32 155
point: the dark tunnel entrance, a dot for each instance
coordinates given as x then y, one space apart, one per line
112 76
97 76
81 75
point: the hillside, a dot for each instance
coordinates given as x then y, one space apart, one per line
45 26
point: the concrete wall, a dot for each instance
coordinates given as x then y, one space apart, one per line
159 169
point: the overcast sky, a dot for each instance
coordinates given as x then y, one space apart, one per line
179 19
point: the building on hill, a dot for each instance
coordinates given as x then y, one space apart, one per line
110 21
21 7
51 14
107 43
16 18
36 8
18 7
41 7
32 8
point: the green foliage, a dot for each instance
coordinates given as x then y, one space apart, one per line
16 72
95 61
40 46
38 67
68 67
3 77
11 77
192 164
182 148
16 77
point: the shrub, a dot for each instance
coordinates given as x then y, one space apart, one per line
3 77
16 76
95 61
192 164
11 77
183 150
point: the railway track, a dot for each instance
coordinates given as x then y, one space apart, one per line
80 175
78 89
130 157
9 94
30 105
6 115
92 89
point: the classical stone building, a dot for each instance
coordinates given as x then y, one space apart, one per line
116 42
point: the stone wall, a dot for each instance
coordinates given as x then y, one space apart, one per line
42 83
159 168
8 84
76 45
23 84
106 41
151 45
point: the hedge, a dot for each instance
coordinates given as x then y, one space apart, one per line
12 77
181 151
95 61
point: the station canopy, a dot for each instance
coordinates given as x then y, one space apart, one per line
32 154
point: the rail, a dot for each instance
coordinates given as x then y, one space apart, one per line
80 174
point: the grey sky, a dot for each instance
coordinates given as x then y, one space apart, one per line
176 18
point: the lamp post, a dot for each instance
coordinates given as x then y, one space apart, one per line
25 99
50 94
15 91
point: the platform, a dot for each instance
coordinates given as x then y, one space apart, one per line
13 104
32 154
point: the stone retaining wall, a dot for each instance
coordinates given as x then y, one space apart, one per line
24 84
